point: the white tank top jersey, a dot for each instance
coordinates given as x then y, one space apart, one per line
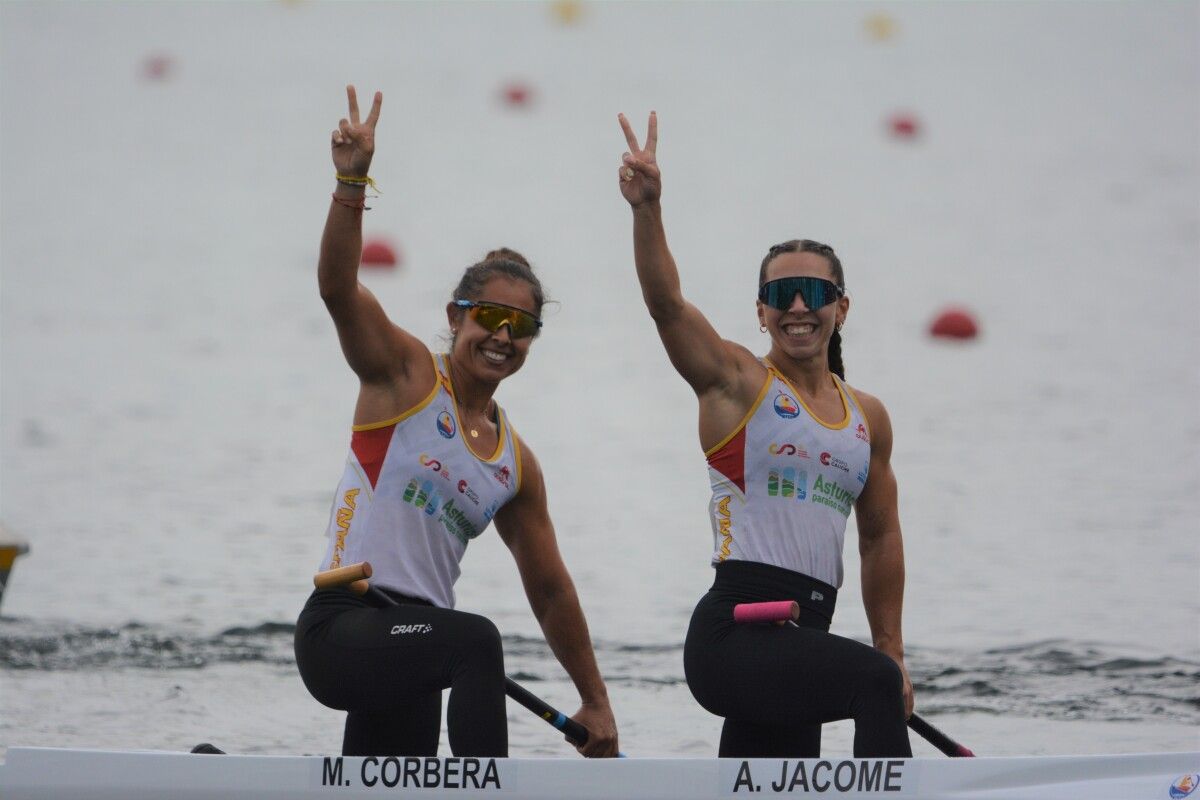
414 493
784 481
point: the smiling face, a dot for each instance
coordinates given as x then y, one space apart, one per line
491 356
801 333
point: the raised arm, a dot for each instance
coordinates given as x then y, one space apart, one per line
524 525
378 351
880 544
706 361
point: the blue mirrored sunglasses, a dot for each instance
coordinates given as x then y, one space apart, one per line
815 292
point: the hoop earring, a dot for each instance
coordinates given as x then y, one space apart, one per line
838 327
762 328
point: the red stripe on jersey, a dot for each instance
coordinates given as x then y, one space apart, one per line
370 448
730 460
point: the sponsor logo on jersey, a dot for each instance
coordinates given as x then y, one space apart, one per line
504 476
400 630
787 483
435 465
861 433
457 523
464 488
830 460
829 493
445 425
786 407
787 449
862 476
421 494
1184 786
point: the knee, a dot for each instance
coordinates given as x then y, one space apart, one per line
481 641
882 679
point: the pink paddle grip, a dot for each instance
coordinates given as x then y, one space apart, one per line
776 611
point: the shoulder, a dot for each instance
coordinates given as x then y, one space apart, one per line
873 409
529 470
871 405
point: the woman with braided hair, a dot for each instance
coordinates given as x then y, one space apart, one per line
433 461
791 449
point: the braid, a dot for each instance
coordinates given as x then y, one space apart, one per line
835 355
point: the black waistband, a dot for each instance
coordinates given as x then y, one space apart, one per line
754 582
341 596
404 599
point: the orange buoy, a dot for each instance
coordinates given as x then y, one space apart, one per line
378 253
517 94
880 27
954 323
566 11
903 125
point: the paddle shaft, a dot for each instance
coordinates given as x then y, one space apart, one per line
781 612
938 739
354 577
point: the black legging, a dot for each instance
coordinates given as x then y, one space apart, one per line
775 685
387 668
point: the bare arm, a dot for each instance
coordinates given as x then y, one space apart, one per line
378 351
881 545
524 525
705 360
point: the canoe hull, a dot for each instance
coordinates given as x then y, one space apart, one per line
52 773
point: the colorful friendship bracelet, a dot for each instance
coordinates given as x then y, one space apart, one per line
358 205
352 180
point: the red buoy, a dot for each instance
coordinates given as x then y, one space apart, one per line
378 253
954 323
904 126
157 67
517 94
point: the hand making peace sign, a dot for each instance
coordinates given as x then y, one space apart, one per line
641 182
354 141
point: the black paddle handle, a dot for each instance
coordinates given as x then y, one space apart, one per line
576 734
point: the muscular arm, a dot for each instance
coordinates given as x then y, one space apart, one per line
710 364
880 543
524 525
698 353
378 351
